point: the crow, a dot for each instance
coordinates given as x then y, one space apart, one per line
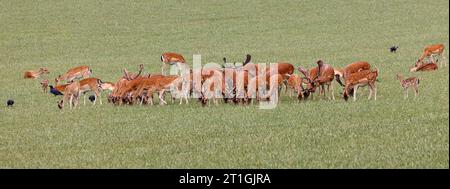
54 91
394 49
92 98
9 103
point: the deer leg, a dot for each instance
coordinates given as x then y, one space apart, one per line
332 91
354 92
161 98
84 99
70 101
370 92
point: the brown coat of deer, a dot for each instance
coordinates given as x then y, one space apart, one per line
75 73
71 94
320 76
91 84
35 74
294 83
360 79
435 49
170 58
420 66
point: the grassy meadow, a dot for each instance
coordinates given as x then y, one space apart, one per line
111 35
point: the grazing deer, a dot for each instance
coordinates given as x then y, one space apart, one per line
44 85
91 84
361 79
71 94
170 58
410 82
319 76
429 51
295 84
420 66
75 73
35 74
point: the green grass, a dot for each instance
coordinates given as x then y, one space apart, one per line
108 36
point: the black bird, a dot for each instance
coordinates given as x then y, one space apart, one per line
92 98
394 49
9 103
54 91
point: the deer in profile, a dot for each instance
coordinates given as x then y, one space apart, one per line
75 73
361 79
430 50
35 74
170 58
411 82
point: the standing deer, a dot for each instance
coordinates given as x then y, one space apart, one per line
35 74
407 83
361 79
71 94
430 50
319 76
91 84
75 73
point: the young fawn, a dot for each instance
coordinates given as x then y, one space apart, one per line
409 82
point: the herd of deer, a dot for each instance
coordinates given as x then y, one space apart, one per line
240 84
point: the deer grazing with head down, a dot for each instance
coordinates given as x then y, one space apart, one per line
361 79
407 83
35 74
71 94
320 76
430 50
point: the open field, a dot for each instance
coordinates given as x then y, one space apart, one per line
111 35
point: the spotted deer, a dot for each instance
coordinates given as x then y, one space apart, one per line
407 83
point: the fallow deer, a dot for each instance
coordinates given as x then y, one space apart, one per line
435 49
35 74
75 73
407 83
71 94
295 84
420 66
320 76
360 79
91 84
170 58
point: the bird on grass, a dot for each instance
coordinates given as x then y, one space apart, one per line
92 98
54 91
394 49
9 103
